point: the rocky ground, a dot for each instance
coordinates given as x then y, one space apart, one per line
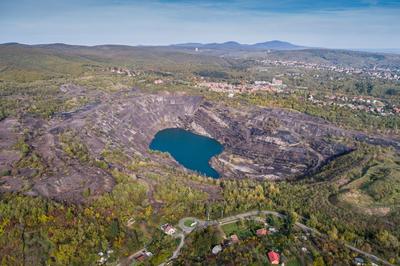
262 143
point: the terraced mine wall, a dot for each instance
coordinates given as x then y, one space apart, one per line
261 143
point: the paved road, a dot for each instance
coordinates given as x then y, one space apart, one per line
188 229
177 251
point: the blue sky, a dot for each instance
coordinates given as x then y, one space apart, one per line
333 24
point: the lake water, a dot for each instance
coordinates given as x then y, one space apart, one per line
190 150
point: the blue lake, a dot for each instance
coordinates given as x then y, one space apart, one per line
190 150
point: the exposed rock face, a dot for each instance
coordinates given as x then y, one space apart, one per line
132 123
266 143
9 154
258 143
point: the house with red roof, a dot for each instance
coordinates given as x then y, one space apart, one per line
262 232
168 229
273 257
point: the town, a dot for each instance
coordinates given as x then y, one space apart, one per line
372 72
360 103
275 86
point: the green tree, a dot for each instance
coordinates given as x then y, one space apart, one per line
333 233
319 261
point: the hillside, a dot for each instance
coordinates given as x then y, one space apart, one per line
80 186
26 63
34 62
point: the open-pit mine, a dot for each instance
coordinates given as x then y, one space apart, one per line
259 143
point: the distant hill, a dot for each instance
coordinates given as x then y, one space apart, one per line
231 45
20 62
32 62
387 50
278 45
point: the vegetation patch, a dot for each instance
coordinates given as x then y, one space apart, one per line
189 222
375 189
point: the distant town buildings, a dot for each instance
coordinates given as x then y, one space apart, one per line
259 85
277 82
360 103
158 81
122 71
374 72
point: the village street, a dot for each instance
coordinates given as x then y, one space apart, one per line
234 218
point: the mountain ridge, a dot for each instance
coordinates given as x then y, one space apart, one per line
267 45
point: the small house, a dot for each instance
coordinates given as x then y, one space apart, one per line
168 229
217 249
359 261
261 232
234 239
141 257
272 230
273 257
277 81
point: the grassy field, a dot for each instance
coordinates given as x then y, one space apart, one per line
188 222
230 229
293 262
375 190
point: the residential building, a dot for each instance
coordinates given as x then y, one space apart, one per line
217 249
262 232
234 239
168 229
273 257
277 82
141 257
359 261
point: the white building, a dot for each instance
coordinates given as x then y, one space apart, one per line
168 229
217 249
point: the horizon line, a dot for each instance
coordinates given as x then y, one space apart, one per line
301 47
